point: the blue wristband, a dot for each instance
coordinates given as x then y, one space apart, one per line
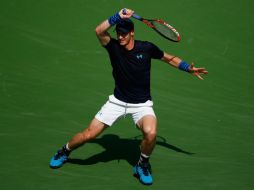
184 66
114 19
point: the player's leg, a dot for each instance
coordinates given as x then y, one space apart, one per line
108 114
148 126
91 132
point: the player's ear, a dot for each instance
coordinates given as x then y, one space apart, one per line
132 33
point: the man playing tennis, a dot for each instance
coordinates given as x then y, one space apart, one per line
131 63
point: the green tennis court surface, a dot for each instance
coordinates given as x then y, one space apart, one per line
54 77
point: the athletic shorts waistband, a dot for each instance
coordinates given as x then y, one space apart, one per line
114 100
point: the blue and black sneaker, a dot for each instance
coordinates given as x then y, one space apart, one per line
58 159
143 173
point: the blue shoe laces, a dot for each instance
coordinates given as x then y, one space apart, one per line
145 168
59 154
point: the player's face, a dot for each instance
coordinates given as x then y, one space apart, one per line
124 38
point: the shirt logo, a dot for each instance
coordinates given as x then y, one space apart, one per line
139 56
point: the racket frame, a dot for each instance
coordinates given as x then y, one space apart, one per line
148 22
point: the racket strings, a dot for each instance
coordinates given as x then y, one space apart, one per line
166 30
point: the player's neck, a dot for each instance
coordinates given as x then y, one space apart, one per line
130 45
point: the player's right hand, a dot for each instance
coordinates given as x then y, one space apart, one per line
125 13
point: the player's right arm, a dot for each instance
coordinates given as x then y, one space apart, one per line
102 32
102 29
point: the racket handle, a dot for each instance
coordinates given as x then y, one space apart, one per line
136 16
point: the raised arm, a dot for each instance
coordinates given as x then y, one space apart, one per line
102 33
102 29
182 65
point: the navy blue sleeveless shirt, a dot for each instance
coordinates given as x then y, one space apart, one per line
131 69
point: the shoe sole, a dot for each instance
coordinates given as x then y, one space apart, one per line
56 167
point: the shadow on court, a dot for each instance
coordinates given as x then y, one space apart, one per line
121 149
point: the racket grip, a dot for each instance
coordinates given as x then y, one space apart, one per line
136 16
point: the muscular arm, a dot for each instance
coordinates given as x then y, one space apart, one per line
102 32
102 29
171 60
175 62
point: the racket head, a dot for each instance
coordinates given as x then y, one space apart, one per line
165 30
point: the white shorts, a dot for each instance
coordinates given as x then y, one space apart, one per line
114 109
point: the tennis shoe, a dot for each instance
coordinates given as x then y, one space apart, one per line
143 173
58 159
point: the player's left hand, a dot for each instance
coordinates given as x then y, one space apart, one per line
197 72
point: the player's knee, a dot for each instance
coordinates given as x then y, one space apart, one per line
85 136
88 136
150 134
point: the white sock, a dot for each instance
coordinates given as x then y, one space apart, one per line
67 147
143 158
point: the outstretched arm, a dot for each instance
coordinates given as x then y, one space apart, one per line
102 29
182 65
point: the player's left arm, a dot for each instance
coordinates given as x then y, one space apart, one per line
184 66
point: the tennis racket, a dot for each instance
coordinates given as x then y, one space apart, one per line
161 27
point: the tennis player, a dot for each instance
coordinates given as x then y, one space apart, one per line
131 63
